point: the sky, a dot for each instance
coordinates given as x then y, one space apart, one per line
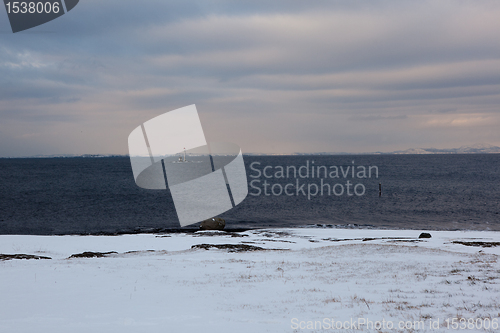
272 76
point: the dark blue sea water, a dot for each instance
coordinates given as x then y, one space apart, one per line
98 195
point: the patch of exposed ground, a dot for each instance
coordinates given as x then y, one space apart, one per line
21 256
92 254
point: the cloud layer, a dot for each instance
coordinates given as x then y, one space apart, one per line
283 77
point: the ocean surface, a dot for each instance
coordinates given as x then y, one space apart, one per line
98 195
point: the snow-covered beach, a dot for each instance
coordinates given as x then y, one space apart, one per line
272 280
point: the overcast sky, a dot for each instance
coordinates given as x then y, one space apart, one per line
272 76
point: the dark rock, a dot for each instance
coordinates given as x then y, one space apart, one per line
215 223
482 244
230 247
425 235
21 256
92 254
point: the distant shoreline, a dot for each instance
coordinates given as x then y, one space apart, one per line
191 230
264 155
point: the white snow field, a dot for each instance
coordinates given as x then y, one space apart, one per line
310 280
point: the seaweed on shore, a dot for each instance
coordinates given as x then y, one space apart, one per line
223 233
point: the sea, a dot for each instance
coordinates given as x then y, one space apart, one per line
82 195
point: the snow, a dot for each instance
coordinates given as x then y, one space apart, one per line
308 276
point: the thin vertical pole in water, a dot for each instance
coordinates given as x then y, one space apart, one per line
379 189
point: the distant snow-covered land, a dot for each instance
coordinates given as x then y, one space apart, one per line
279 280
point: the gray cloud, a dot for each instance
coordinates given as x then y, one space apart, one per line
377 118
284 76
